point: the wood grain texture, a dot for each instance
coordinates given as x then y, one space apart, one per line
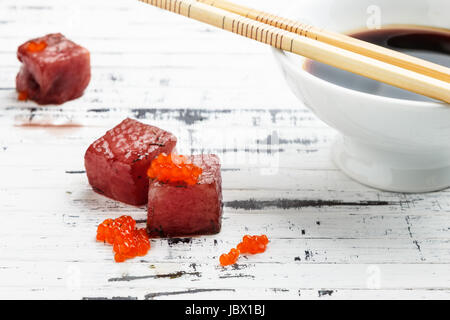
331 238
436 86
336 39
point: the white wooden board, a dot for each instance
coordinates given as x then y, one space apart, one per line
331 238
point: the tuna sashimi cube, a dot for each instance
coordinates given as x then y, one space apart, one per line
184 210
116 164
54 69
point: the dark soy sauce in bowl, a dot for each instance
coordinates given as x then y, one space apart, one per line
425 43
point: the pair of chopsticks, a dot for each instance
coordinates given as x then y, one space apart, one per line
338 50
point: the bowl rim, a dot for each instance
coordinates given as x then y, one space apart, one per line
283 58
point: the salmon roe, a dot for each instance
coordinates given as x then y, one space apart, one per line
253 244
36 46
249 244
22 96
229 258
128 242
174 168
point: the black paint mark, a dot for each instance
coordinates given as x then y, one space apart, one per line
308 255
99 110
417 246
273 114
303 232
142 113
279 290
187 116
115 78
325 293
234 150
297 259
190 117
75 171
173 241
113 298
173 275
190 291
37 8
308 151
106 298
252 204
238 266
32 114
164 82
240 275
274 139
414 241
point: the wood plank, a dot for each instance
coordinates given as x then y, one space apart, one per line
331 238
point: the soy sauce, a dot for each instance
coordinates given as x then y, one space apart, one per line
425 43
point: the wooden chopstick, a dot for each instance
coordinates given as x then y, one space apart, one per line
316 50
338 40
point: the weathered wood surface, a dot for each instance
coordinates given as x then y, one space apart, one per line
330 236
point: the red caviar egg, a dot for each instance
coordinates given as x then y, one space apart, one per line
36 46
253 244
119 258
263 239
22 96
223 259
127 241
249 244
230 258
174 168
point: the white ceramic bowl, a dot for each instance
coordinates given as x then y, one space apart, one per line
390 144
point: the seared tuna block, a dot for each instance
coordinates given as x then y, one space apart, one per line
54 70
186 207
117 163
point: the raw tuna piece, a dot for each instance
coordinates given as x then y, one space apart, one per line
176 210
54 69
117 163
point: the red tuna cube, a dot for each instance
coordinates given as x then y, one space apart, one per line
54 69
117 163
184 210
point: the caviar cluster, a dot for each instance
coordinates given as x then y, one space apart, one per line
36 46
249 244
253 244
128 242
174 168
229 258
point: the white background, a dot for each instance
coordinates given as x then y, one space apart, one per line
330 236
